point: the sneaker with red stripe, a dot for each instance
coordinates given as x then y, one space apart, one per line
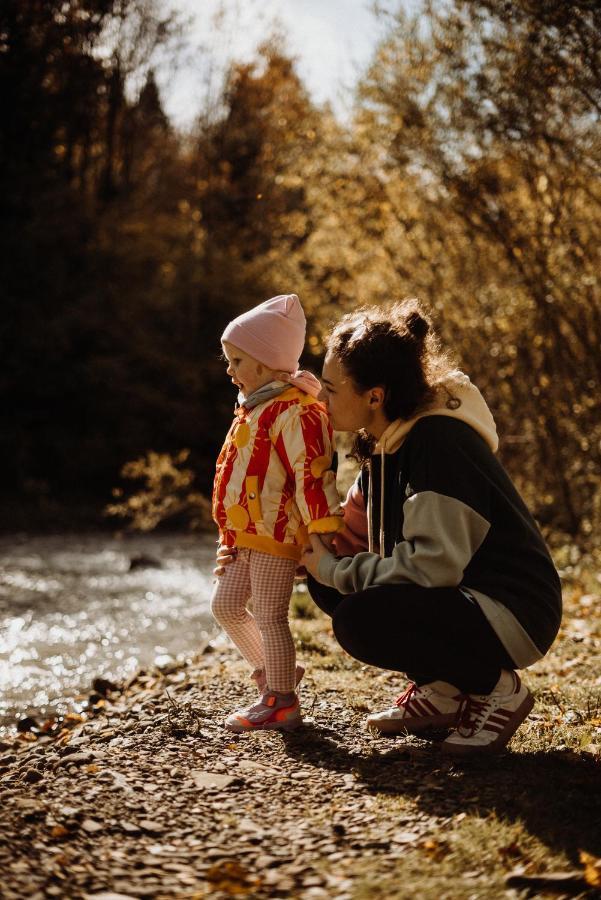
272 712
486 722
427 707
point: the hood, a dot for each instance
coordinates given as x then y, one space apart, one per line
456 397
304 381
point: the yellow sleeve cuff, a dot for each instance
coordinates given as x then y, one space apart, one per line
328 525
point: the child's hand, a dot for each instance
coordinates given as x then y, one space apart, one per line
328 540
225 555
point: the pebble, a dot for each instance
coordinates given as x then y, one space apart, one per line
27 723
152 827
203 779
405 837
75 759
32 776
108 896
74 743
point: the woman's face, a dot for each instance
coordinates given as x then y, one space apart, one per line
349 408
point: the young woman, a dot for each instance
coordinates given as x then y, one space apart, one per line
441 571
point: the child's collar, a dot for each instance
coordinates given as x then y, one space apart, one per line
266 392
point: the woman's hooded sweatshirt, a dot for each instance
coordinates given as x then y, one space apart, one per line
435 507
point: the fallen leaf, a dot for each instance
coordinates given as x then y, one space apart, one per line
435 849
231 878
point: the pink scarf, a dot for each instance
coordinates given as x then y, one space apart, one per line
304 381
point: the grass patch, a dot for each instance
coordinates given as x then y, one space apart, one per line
471 859
302 606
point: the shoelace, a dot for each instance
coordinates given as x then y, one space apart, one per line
407 695
470 715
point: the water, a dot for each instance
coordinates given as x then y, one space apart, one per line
71 610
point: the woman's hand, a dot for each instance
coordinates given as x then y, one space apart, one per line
312 556
225 555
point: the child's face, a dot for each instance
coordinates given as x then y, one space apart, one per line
246 372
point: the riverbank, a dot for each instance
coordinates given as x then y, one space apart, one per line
77 606
145 794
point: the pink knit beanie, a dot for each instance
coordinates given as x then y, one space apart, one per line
273 332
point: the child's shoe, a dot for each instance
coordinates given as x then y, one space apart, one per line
488 721
260 677
272 712
429 706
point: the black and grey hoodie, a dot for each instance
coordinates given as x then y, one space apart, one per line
447 515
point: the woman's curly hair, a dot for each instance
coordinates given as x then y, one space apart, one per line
395 348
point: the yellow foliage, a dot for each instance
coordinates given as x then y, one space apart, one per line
166 492
592 869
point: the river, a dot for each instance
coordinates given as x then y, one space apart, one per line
71 608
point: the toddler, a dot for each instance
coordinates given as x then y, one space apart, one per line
273 486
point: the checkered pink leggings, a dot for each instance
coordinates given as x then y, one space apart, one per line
263 637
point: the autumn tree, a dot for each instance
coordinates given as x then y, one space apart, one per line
493 110
75 334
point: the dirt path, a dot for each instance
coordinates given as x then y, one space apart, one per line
148 796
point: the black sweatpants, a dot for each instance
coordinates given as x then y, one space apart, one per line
428 633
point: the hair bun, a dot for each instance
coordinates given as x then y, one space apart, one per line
417 326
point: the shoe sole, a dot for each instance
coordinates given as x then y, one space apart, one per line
270 726
502 738
412 726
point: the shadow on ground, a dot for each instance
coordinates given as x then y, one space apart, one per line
555 794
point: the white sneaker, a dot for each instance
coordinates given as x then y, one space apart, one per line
419 709
488 721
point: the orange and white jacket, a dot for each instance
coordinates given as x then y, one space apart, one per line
274 483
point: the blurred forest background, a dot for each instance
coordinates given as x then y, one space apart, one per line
468 176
